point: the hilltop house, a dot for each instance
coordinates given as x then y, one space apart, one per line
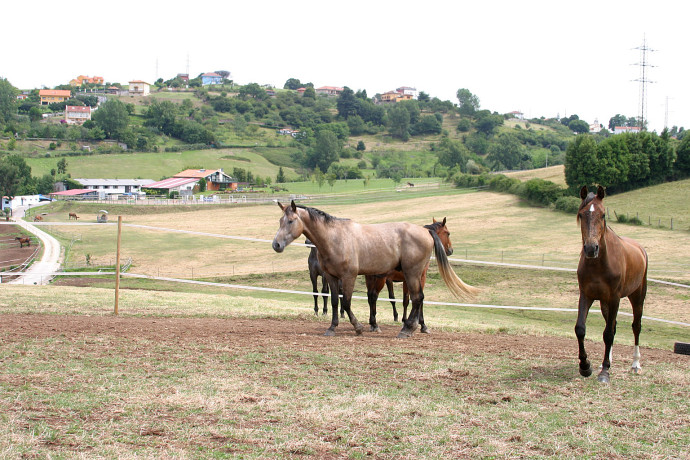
329 90
626 129
211 78
77 115
84 80
139 88
51 96
395 96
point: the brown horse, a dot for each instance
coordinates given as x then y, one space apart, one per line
611 267
73 215
23 240
347 249
375 283
38 218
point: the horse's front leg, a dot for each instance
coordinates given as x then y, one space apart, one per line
580 330
424 329
610 311
391 295
417 297
333 285
315 290
348 285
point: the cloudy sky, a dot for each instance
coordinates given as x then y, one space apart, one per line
544 58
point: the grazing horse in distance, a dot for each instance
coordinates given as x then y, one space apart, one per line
347 249
38 218
73 215
23 240
611 267
375 282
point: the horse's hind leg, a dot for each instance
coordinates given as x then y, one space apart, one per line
348 285
417 297
374 286
637 301
315 289
424 328
580 330
391 295
333 285
325 290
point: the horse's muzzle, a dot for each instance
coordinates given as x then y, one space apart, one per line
591 251
277 247
449 252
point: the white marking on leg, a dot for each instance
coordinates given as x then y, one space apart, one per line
636 360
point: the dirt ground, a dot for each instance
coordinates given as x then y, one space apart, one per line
265 333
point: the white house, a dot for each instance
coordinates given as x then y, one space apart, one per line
75 114
626 129
139 88
107 187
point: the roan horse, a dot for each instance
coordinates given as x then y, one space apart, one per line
23 240
347 249
611 267
73 214
375 282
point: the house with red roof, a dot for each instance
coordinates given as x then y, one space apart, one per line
51 96
215 179
77 115
329 90
75 194
139 88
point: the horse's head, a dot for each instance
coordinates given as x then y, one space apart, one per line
592 218
291 227
443 233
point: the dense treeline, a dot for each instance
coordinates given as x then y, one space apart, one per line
624 161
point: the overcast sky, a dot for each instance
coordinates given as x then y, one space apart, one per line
544 58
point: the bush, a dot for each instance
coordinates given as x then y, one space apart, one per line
624 219
568 204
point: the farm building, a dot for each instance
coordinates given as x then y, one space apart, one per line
109 187
182 185
75 194
215 179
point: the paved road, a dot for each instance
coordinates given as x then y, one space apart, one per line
50 261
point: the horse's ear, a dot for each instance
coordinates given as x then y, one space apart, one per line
444 222
600 192
281 206
293 205
584 192
433 220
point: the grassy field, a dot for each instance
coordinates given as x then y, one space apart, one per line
198 371
555 174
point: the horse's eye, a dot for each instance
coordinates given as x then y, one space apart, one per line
291 221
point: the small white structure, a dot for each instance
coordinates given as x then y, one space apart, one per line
107 187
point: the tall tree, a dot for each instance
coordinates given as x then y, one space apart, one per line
506 153
347 103
8 100
292 83
469 103
326 151
399 122
112 117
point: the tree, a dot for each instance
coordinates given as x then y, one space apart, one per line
579 126
62 166
9 179
580 162
506 153
326 151
280 178
8 101
682 164
253 90
35 114
112 117
292 83
469 103
309 93
399 122
452 153
487 122
360 146
161 115
346 103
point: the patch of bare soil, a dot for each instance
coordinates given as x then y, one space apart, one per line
301 334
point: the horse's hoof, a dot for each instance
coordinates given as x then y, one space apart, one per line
603 378
636 370
586 372
374 329
424 330
329 333
404 334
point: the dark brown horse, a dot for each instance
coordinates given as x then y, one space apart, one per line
375 283
23 240
611 267
347 249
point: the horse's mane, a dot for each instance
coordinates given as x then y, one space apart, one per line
434 226
317 214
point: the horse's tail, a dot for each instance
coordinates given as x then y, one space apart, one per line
458 287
